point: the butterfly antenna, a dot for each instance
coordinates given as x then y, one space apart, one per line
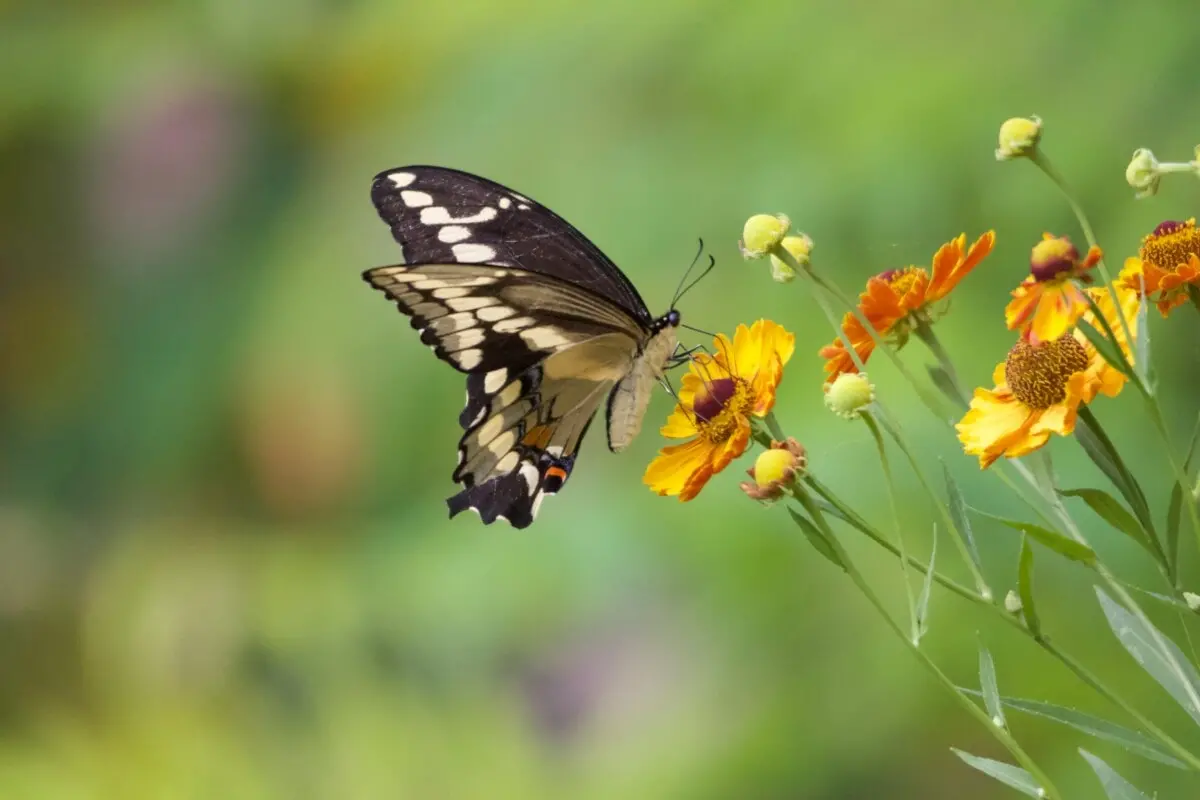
679 289
694 329
712 262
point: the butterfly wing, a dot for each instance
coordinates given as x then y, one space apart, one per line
443 216
539 353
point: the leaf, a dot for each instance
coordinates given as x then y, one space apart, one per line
1131 740
1009 775
926 590
1104 455
1141 341
1105 347
1175 507
945 384
1050 539
991 691
1116 787
1156 654
958 512
1111 511
816 538
1025 588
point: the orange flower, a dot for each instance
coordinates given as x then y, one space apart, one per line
1169 262
1049 302
717 397
1039 388
897 300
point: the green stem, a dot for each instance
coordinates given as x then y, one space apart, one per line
1001 734
890 484
1043 641
1181 477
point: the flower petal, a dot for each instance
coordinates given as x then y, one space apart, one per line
678 465
995 423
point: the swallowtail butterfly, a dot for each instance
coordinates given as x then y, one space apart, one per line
544 325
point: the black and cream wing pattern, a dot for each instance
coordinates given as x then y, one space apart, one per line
545 327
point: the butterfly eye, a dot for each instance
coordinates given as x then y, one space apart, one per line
673 318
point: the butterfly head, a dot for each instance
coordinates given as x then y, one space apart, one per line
671 319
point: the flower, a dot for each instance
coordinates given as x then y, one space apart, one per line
1143 174
1169 263
799 248
849 394
762 233
1018 137
775 469
717 397
1039 388
1049 302
897 300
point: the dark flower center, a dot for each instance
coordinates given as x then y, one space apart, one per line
1038 375
1171 244
711 400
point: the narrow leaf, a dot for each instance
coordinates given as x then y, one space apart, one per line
1156 654
1025 588
991 690
926 590
1051 539
1116 787
958 512
1009 775
1111 511
1105 347
1175 507
945 384
1104 455
1131 740
816 538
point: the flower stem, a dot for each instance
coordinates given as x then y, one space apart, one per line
1001 734
1043 641
1181 477
890 483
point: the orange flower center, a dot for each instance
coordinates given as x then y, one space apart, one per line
719 404
901 280
1038 375
1171 244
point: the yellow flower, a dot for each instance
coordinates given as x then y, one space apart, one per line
1039 388
775 469
898 299
1018 137
1169 263
717 397
1048 303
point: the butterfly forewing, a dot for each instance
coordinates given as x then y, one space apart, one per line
542 323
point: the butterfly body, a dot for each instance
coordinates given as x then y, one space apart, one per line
543 324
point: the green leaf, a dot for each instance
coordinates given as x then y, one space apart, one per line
991 690
1025 588
1131 740
958 512
1104 455
1111 511
1156 654
1141 341
945 384
816 538
1175 507
1115 787
1009 775
1105 346
1052 540
926 591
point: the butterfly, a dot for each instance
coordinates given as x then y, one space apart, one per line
544 325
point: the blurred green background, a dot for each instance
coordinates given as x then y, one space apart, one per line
225 568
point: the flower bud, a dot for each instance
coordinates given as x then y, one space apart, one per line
1142 173
849 394
1012 603
1192 600
799 248
775 469
762 233
1018 137
1051 257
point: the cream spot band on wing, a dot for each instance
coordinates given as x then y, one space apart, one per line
414 199
495 313
453 233
402 179
513 325
468 359
508 463
438 215
494 380
470 303
473 253
461 341
544 337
